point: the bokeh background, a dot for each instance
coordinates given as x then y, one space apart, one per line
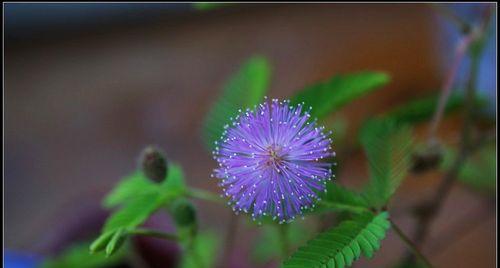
87 86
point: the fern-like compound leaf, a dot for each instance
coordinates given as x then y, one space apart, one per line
388 147
342 245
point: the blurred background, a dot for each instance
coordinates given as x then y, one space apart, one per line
87 86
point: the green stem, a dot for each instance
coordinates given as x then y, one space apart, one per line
153 233
283 235
197 260
230 238
410 245
204 195
344 207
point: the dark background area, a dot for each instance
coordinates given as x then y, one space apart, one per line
87 86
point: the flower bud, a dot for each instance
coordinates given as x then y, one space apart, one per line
183 212
428 158
153 164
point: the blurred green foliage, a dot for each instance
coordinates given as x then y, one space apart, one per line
243 90
138 198
327 97
479 171
203 253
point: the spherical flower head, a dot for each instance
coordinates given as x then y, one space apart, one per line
272 161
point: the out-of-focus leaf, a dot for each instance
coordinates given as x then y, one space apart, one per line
101 242
387 146
129 216
344 244
244 89
137 184
78 256
139 199
130 186
479 171
202 253
175 180
338 198
268 247
329 96
423 109
339 125
134 212
116 242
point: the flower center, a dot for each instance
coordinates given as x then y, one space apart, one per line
275 157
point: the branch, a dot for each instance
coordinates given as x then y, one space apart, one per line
204 195
452 17
230 238
410 244
427 211
472 35
460 52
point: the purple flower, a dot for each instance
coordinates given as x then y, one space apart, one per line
271 161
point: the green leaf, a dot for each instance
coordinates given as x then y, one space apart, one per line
139 199
327 97
78 256
137 184
244 89
422 109
146 200
388 147
116 242
479 171
203 252
101 242
175 183
339 198
342 245
134 212
130 186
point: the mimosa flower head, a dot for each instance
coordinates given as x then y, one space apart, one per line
272 161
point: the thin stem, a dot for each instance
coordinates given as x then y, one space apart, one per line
448 83
452 17
230 237
427 211
472 35
204 195
283 235
153 233
432 207
410 244
191 250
